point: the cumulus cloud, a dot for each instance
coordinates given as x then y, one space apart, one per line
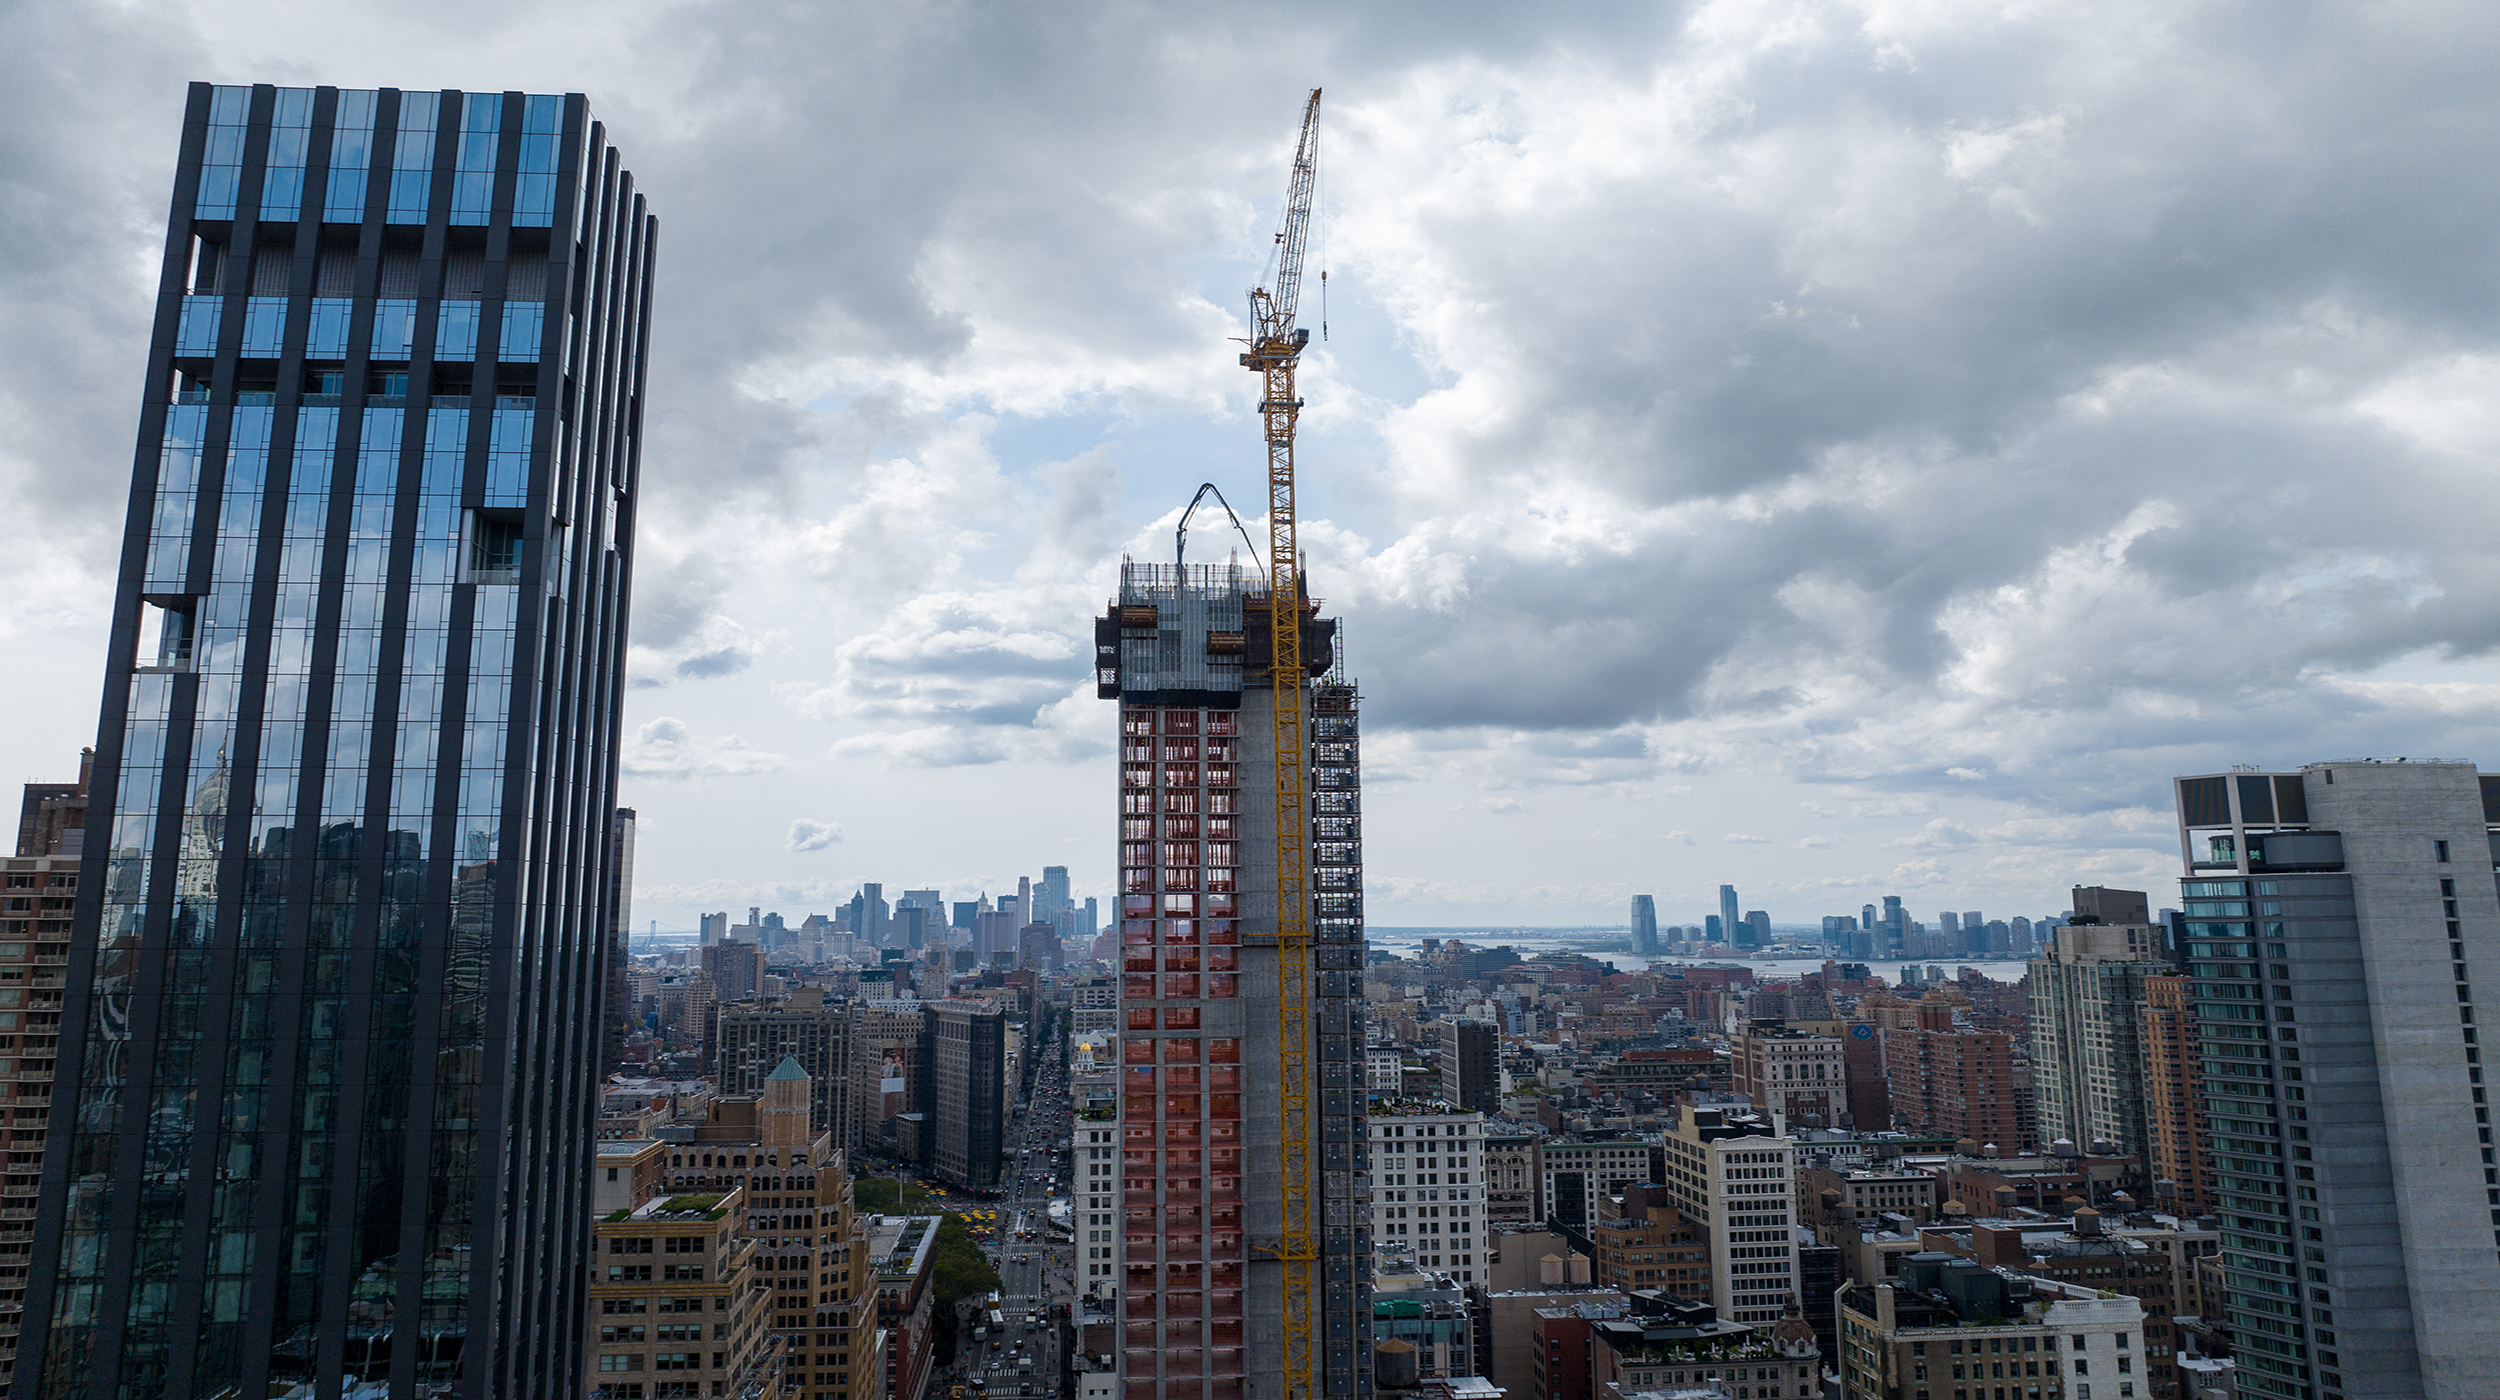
667 748
1952 414
809 834
717 646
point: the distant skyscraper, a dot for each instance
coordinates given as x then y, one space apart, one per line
330 1054
2086 1024
868 914
1728 917
968 1093
1054 892
1755 932
1471 1066
2337 919
1713 929
1644 924
617 1015
715 928
2178 1141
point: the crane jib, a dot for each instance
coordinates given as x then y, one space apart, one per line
1276 349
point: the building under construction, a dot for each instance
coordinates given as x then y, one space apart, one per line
1213 1147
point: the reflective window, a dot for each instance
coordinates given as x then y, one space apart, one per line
412 157
290 133
394 328
351 157
473 166
523 328
326 337
221 164
508 457
534 192
177 495
455 330
264 327
197 334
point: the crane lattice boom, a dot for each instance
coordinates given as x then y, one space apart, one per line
1275 349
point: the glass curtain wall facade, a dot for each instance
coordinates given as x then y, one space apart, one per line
2336 919
330 1049
1200 1174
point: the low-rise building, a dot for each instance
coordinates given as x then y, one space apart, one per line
1428 1192
1663 1343
626 1173
1800 1073
1559 1338
1577 1176
1510 1178
1824 1192
1652 1246
902 1253
1954 1329
676 1311
1427 1311
1729 1172
1510 1320
2141 1262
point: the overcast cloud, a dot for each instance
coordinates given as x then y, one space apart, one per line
1839 449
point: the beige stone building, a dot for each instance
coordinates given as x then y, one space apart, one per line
675 1309
793 1188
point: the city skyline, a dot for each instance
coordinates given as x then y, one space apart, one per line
344 1071
1952 621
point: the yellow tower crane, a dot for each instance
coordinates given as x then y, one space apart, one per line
1275 350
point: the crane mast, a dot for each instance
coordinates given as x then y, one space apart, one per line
1275 350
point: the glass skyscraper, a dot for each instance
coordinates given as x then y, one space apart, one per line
328 1063
2339 918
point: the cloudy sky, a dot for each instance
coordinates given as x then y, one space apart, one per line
1842 449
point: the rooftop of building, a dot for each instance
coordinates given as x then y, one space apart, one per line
678 1210
1939 1291
1420 1108
1590 1311
900 1245
629 1147
1880 1173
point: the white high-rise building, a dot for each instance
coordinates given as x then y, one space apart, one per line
2337 918
1734 1173
1095 1145
1429 1163
2087 1011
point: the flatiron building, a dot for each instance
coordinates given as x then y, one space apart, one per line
330 1050
1202 1136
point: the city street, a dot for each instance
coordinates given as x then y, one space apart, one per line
1021 1357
